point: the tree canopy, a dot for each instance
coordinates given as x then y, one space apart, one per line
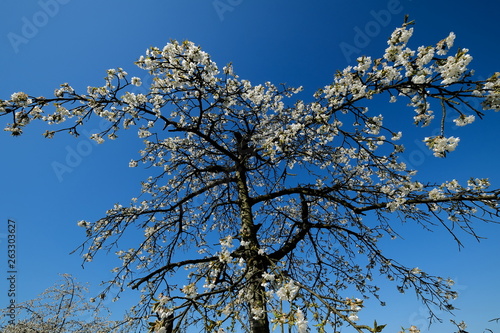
267 207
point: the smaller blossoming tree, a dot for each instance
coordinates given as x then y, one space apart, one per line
65 307
265 210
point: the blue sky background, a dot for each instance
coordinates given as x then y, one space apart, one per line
48 42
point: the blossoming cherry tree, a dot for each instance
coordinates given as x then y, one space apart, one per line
264 210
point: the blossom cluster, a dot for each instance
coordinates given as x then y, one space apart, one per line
288 291
301 322
411 329
355 306
492 93
441 145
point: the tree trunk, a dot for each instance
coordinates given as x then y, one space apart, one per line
259 322
258 303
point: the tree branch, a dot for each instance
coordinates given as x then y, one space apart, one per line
134 284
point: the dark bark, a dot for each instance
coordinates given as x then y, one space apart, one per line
256 264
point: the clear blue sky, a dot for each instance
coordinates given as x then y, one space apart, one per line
48 42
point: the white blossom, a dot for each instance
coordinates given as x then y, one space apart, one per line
464 120
454 67
136 81
83 224
20 98
190 290
413 329
353 316
300 321
416 271
436 194
288 291
227 241
441 145
97 138
396 136
143 133
268 277
258 313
